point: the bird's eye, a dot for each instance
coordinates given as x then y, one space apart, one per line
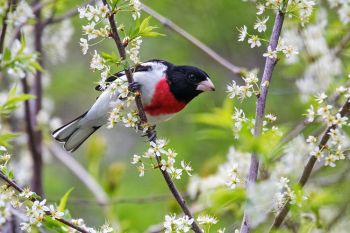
192 77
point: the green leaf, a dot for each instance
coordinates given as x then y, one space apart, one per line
113 3
146 30
144 24
6 138
37 66
218 117
7 54
64 199
53 225
111 57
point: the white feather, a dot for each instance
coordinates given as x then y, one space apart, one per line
98 114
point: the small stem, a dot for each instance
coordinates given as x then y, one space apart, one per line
151 132
345 110
260 108
20 190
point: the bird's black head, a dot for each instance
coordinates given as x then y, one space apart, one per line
186 82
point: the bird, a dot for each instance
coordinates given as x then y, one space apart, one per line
165 89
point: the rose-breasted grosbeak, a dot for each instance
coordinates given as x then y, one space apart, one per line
166 89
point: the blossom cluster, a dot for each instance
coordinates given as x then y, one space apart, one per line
183 224
242 92
21 15
178 225
304 8
35 210
229 175
323 65
249 88
158 149
336 146
98 27
21 60
343 9
287 194
96 16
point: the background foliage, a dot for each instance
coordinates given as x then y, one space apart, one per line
202 133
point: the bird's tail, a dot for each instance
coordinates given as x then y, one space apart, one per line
73 134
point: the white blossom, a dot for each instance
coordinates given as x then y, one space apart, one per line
254 41
261 9
260 24
84 45
270 53
97 62
242 33
186 167
136 159
174 224
206 220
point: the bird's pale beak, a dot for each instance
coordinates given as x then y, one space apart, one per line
206 85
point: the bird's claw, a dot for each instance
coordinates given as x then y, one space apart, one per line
152 135
134 86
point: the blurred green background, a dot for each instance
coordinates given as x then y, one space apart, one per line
107 154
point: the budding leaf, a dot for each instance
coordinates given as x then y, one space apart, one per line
7 55
64 199
146 30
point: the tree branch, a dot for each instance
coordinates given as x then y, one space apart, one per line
30 130
20 190
37 91
4 26
151 133
211 53
260 107
345 110
124 200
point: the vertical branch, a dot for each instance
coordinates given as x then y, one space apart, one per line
151 133
260 107
4 26
29 120
37 91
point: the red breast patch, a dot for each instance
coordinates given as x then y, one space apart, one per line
163 101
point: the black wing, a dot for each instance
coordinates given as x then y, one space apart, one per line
139 68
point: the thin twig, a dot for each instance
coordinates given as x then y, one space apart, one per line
20 190
260 108
151 133
123 200
100 195
345 110
342 44
341 214
211 53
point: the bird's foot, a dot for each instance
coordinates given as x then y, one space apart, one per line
134 86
